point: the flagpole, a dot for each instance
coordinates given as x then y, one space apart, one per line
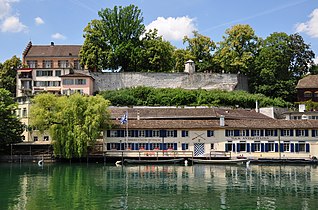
127 132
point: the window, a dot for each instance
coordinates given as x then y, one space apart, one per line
47 64
229 146
18 111
210 133
302 132
212 146
229 132
270 132
271 146
24 112
302 147
58 73
170 133
314 133
35 138
185 133
286 133
141 133
113 134
46 138
242 133
242 146
155 133
142 146
256 132
156 146
41 73
77 65
185 146
307 94
63 64
296 117
286 146
32 64
257 146
80 81
68 82
170 146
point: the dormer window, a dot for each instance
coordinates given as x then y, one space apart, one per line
47 64
32 64
63 64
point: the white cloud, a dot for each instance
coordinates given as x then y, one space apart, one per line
5 8
38 21
12 24
311 26
58 36
316 60
173 29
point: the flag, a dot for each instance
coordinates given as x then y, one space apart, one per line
124 118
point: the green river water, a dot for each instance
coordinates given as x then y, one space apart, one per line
99 186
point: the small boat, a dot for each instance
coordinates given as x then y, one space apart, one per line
220 161
148 161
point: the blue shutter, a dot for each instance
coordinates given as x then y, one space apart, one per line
122 133
282 132
291 132
165 146
163 133
151 146
238 147
266 147
183 146
147 133
108 146
226 132
281 147
307 147
296 147
247 132
175 146
297 132
136 133
175 133
108 133
262 148
275 133
266 133
252 147
236 132
147 146
226 147
292 147
233 149
262 132
161 146
276 147
118 146
208 133
132 133
136 146
183 133
313 133
150 133
306 132
248 149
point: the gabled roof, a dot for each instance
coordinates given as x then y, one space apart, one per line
52 51
310 81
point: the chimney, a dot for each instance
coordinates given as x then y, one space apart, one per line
52 44
222 121
189 67
256 106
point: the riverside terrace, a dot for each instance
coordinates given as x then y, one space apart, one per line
208 132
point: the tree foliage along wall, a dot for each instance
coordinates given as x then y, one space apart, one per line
8 73
10 126
74 122
146 96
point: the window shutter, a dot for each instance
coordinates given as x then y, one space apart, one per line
175 146
282 132
247 132
208 133
262 132
150 133
226 147
236 132
292 147
306 132
266 147
164 146
175 133
183 146
238 148
108 146
275 133
233 147
136 133
262 148
291 132
183 133
108 133
226 133
296 147
313 133
297 132
281 147
248 147
276 147
307 147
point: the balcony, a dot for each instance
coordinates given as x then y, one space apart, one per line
25 76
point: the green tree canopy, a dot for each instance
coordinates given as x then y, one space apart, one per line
237 50
8 73
10 126
74 122
111 41
201 48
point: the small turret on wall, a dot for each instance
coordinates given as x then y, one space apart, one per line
189 67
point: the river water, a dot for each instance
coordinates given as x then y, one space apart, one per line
99 186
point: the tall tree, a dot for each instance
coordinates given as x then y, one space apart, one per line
201 47
8 73
237 50
111 40
74 122
283 59
10 126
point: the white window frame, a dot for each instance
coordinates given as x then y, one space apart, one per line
286 146
155 133
286 132
271 146
257 147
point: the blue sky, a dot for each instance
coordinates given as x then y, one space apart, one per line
63 21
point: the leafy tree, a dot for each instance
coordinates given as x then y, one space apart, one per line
8 73
237 50
111 41
201 47
10 126
283 59
156 53
74 122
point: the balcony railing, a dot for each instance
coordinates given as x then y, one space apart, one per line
25 76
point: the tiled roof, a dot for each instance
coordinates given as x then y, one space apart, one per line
53 51
76 75
184 113
310 81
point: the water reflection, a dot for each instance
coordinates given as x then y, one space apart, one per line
152 187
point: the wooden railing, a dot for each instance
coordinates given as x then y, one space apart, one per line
148 153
